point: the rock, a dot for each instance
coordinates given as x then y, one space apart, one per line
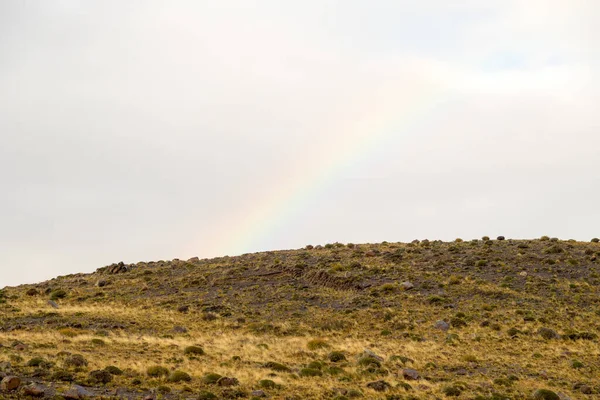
258 393
379 386
410 374
117 268
35 390
9 383
76 393
442 325
585 389
225 381
407 285
180 329
369 354
20 347
52 304
194 260
101 283
523 273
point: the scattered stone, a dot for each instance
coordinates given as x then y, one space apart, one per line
523 273
370 354
52 304
585 389
101 283
35 390
225 381
180 329
379 386
10 383
76 393
442 325
20 347
407 285
410 374
117 268
258 393
183 309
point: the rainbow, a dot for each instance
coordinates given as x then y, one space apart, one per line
391 112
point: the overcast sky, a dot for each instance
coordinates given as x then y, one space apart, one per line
149 130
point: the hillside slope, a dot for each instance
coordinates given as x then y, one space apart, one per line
481 319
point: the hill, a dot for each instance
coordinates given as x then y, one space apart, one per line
481 319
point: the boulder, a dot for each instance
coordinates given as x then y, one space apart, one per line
407 285
77 392
410 374
10 383
442 325
118 268
35 390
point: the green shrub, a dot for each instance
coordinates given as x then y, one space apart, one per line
545 394
452 391
267 384
205 395
336 356
36 362
276 366
310 372
211 378
111 369
179 376
317 344
157 371
194 350
58 294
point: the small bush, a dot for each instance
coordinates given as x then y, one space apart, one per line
577 364
545 394
194 350
452 391
317 344
211 378
179 376
157 371
267 384
205 395
111 369
75 360
58 294
276 367
100 377
336 356
36 362
310 372
98 342
595 240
